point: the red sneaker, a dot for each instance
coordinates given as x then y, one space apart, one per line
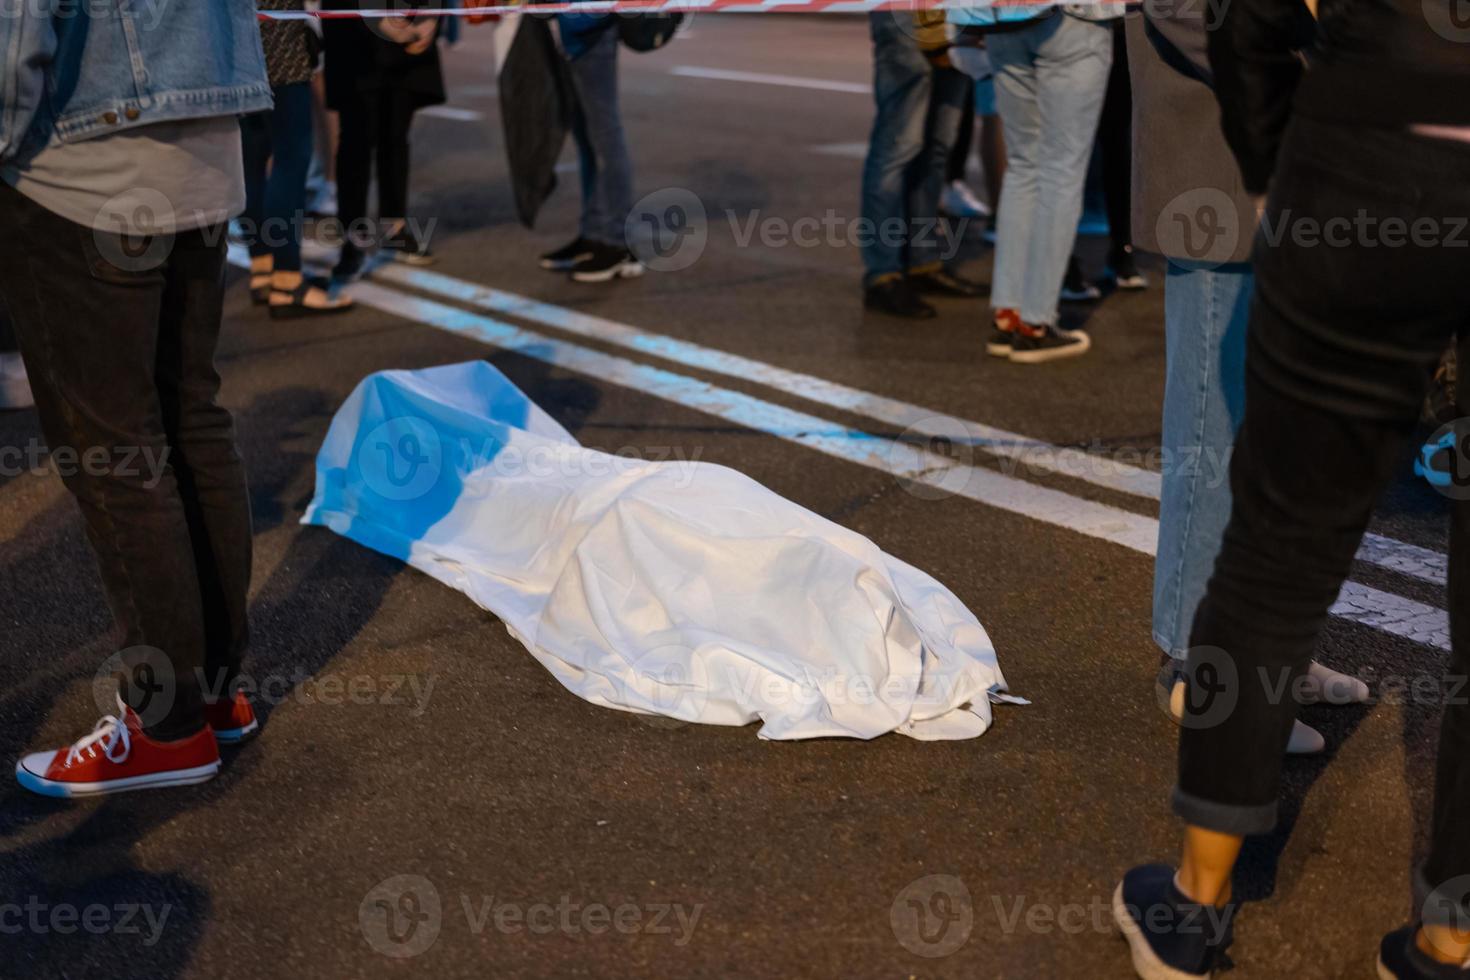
233 721
117 757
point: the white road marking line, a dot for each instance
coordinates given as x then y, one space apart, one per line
765 78
1410 559
848 151
1382 611
454 113
1013 449
1393 614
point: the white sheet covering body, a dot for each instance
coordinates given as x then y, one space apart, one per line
680 588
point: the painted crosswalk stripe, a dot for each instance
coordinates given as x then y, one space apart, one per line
767 78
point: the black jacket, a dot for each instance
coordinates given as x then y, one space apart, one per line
1368 62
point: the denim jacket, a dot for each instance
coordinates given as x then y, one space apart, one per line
78 69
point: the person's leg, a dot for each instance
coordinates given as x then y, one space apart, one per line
1342 342
355 151
1016 99
992 141
1072 65
1115 139
101 413
964 140
15 388
926 175
285 190
1444 880
902 82
1206 311
591 219
255 150
201 438
595 75
395 120
285 207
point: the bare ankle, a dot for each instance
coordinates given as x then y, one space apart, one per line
1443 944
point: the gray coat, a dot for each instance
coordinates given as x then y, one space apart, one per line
1188 199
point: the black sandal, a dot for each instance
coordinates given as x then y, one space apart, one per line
260 288
297 307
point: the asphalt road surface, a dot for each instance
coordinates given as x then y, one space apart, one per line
423 787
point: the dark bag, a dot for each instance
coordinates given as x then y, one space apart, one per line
648 32
536 99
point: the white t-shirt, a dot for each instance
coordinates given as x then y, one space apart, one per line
153 180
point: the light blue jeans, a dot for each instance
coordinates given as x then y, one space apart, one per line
1206 312
1050 80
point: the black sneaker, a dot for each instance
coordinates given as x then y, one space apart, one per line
896 297
1002 333
562 259
405 246
351 264
1171 937
1124 270
1075 287
1031 344
606 263
1400 958
946 283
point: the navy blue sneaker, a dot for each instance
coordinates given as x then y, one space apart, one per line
1172 937
1399 958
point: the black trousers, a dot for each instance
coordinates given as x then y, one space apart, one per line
119 340
1361 282
1115 143
964 142
375 128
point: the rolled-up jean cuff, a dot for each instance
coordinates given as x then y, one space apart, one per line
1447 904
1224 818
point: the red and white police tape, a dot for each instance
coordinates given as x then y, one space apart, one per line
662 7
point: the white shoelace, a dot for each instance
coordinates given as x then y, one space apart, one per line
111 733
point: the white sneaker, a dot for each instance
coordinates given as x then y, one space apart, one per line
1304 740
1323 685
15 386
958 201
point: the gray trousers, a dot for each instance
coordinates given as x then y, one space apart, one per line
607 171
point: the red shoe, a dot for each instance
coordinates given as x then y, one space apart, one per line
117 757
233 721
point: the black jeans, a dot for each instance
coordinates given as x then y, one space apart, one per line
1349 320
277 147
119 339
375 128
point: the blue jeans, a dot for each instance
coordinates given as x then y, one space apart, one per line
597 126
1206 312
918 119
275 205
1050 81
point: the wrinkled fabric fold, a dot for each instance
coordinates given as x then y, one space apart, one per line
674 588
